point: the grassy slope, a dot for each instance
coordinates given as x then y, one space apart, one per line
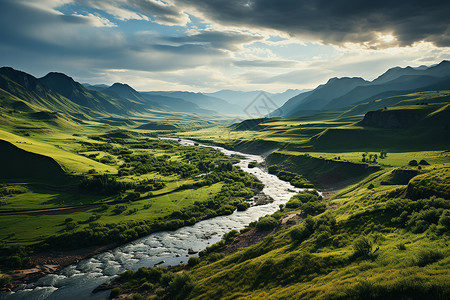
405 261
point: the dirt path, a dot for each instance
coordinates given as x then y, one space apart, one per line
51 211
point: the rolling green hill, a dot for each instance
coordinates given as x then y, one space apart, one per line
18 164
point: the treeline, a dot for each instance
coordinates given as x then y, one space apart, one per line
109 185
238 186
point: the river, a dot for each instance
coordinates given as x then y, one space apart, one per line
77 281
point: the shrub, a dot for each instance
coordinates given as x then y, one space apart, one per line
241 206
424 163
118 209
413 163
301 233
266 223
313 208
229 236
70 225
115 292
252 164
401 246
426 257
362 246
4 280
193 260
293 203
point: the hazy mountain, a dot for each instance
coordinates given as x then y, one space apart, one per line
244 99
95 87
203 101
315 100
176 104
123 91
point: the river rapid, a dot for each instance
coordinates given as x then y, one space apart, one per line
77 281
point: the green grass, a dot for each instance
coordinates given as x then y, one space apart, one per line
393 159
69 161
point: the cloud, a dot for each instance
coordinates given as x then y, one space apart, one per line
227 40
336 22
96 21
165 13
265 63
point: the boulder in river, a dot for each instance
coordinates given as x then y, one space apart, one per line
159 263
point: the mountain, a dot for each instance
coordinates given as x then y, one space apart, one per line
149 99
342 93
175 104
315 100
24 92
123 91
80 95
244 99
203 101
95 87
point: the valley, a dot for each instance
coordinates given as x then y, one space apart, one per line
355 196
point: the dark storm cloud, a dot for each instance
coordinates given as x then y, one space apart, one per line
34 38
337 21
162 13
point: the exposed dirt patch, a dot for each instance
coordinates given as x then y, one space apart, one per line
254 236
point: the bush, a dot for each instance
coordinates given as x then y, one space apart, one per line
70 225
362 246
426 257
118 209
401 247
4 280
424 163
193 260
313 208
413 163
241 206
252 164
115 292
266 223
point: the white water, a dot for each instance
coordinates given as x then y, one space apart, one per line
77 281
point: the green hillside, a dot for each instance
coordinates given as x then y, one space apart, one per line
21 165
372 242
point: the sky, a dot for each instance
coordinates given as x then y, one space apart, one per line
209 45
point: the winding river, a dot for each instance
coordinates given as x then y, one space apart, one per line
77 281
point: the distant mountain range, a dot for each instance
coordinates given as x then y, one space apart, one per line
57 92
343 93
244 99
